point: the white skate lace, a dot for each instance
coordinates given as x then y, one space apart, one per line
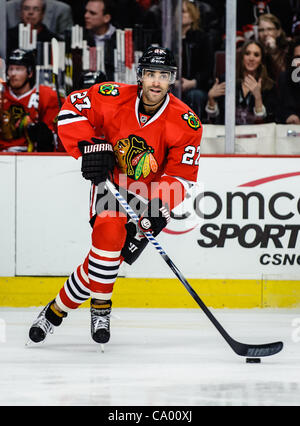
100 321
43 323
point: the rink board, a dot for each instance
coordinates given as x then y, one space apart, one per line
160 293
244 252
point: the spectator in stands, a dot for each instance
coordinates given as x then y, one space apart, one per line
289 87
27 117
197 59
248 12
57 17
256 95
32 13
99 30
212 13
273 38
98 16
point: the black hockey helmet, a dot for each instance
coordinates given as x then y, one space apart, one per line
22 57
157 58
25 58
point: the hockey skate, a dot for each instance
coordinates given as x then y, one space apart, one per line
44 324
100 321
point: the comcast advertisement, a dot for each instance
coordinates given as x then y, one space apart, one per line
243 219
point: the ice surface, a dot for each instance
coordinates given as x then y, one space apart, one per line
155 357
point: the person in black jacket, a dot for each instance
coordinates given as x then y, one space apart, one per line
32 13
99 30
197 59
289 87
256 93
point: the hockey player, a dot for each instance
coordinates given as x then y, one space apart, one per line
27 117
147 141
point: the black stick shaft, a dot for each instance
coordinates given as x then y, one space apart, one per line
241 349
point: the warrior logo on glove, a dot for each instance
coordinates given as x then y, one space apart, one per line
135 157
98 159
87 149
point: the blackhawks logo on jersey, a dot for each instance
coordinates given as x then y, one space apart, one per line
192 120
135 158
15 122
108 89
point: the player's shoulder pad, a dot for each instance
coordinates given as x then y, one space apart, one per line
112 89
183 114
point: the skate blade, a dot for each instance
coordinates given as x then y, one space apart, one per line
31 344
100 348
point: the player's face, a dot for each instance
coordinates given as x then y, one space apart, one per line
32 12
252 58
18 76
94 17
155 86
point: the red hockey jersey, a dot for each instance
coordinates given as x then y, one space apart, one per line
147 149
18 112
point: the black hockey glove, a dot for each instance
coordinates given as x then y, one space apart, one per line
135 243
98 160
155 218
40 134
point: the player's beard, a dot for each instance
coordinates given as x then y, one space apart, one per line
151 97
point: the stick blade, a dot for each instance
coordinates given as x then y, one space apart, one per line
257 351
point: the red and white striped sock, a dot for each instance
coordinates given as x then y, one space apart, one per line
76 289
102 272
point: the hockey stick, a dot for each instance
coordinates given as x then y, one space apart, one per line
242 349
55 60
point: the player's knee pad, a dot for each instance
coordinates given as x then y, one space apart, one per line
134 244
109 233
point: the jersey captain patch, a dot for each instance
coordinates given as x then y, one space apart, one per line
192 120
135 157
108 89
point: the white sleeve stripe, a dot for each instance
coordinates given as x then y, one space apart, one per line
62 121
68 111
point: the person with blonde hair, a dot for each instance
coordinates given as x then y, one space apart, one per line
190 16
197 59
